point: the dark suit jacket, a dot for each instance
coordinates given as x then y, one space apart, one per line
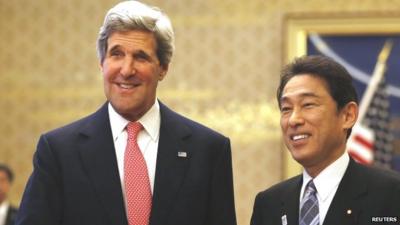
370 193
11 214
75 180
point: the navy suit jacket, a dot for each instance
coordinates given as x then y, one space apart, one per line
75 180
372 195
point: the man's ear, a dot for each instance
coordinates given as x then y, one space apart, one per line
163 72
349 115
101 67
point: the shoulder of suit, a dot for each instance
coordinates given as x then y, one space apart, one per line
276 190
76 125
377 177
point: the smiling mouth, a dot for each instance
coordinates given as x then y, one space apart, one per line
299 137
127 86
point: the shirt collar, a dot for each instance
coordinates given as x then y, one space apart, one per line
3 207
150 121
328 179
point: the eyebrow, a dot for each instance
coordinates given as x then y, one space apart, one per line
139 52
115 47
302 95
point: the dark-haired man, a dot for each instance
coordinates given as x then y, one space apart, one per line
319 107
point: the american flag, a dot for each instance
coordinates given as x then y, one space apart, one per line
371 142
378 120
371 139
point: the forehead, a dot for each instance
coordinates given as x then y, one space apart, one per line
132 39
304 85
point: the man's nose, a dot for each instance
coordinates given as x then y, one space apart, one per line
128 67
296 118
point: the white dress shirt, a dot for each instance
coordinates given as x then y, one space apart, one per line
147 139
3 212
327 183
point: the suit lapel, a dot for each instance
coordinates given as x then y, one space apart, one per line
346 205
170 169
290 202
100 163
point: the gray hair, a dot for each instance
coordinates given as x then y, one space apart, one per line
133 15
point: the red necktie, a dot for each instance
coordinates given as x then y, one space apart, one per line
136 179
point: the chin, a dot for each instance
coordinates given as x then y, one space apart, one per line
122 108
300 158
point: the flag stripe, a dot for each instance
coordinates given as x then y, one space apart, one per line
359 159
361 140
361 144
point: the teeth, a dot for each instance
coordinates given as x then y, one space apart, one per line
298 137
126 86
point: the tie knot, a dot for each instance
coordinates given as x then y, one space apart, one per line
311 187
133 129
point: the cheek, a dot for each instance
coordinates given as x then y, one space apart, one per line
283 123
104 71
106 80
316 120
107 71
109 68
150 76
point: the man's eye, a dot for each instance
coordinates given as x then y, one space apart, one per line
116 53
285 109
142 56
308 105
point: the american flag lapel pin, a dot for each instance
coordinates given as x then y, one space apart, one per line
182 154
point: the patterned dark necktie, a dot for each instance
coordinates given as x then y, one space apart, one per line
309 209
